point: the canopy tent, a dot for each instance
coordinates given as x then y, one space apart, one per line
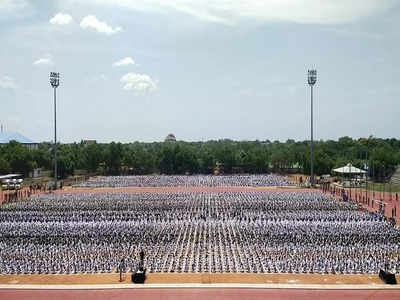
10 176
349 169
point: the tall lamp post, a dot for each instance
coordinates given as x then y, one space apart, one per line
312 79
55 82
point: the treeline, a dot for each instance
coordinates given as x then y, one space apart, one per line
381 155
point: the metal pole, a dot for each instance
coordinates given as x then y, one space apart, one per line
312 141
383 183
55 139
120 270
373 184
366 176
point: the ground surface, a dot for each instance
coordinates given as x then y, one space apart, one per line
200 294
380 187
206 278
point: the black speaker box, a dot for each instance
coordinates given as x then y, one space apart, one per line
387 277
139 276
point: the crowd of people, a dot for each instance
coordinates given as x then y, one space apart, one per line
187 180
245 232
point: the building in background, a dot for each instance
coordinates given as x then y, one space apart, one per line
88 142
7 137
170 138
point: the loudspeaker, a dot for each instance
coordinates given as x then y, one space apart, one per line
387 277
139 276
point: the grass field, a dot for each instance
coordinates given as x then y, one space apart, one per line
380 187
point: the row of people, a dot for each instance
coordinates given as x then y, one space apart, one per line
186 180
261 232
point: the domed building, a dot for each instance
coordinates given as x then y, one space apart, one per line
170 138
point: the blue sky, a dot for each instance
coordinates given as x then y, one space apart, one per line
138 70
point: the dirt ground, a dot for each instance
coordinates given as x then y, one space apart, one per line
168 278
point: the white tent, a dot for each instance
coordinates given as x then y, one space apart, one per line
349 169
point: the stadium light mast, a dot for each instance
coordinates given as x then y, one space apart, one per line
312 79
55 82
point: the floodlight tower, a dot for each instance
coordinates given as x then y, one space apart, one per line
312 79
55 82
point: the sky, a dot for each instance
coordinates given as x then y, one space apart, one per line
137 70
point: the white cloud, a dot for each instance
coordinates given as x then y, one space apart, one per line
140 83
124 62
7 82
7 6
15 10
44 61
61 19
97 78
94 23
230 12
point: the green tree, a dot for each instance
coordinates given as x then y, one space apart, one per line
4 166
19 158
93 155
113 158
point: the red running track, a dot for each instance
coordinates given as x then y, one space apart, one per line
200 294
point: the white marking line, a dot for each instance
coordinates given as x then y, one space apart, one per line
199 285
